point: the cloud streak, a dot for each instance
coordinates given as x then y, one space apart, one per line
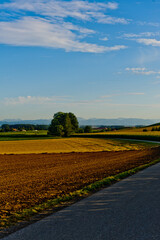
31 31
146 38
150 41
140 35
21 100
47 23
83 10
56 100
142 71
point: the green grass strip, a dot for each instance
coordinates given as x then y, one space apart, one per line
119 135
26 214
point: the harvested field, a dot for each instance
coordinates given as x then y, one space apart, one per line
129 133
27 180
67 145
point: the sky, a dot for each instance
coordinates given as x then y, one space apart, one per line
97 59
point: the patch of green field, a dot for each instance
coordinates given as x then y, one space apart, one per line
149 135
28 135
40 132
129 133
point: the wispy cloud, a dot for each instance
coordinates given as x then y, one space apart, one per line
152 42
146 38
61 100
83 10
140 35
144 23
31 31
54 100
112 20
135 69
21 100
46 23
104 39
142 71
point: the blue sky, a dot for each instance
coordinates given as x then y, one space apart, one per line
98 59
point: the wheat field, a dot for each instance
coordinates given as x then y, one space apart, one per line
67 145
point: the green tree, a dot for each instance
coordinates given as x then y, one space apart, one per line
5 127
56 121
80 130
63 124
88 129
74 122
68 128
58 130
145 130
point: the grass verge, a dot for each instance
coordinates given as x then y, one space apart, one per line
66 200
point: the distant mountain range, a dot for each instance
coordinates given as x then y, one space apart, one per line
91 121
118 121
19 121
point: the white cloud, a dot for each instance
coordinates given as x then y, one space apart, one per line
112 5
146 38
104 39
153 24
34 100
135 69
112 20
83 10
61 100
146 41
54 100
140 35
47 24
142 71
31 31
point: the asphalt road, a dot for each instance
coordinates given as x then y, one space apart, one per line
127 210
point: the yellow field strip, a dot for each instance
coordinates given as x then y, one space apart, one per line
66 145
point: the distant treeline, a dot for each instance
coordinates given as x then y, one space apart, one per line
21 127
156 129
103 128
153 129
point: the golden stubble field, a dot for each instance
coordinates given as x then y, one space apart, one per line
66 145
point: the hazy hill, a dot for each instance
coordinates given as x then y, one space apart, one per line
19 121
118 121
91 121
155 125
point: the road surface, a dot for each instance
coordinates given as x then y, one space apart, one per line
127 210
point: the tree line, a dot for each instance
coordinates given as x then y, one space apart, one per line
20 127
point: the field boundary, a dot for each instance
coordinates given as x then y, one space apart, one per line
122 136
31 215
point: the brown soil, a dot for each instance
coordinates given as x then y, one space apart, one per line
26 180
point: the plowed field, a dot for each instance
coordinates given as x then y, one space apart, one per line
26 180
